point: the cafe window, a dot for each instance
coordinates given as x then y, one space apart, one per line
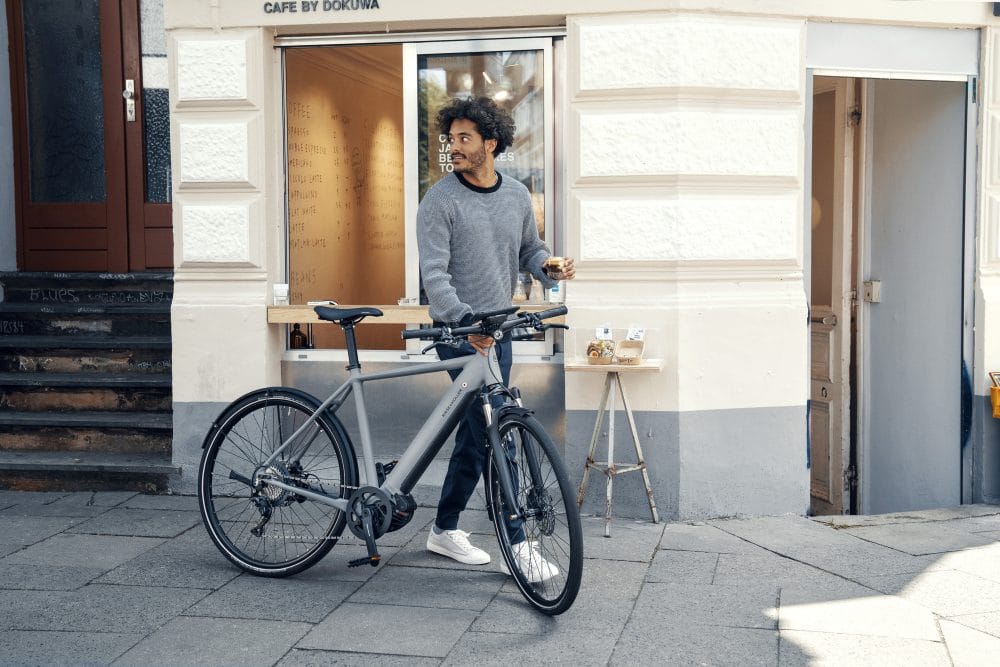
363 148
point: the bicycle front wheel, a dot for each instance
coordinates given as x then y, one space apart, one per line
261 528
544 551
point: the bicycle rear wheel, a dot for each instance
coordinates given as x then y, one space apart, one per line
544 552
263 529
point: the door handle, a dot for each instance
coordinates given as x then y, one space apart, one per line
129 95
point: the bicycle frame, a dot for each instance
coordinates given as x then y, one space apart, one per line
479 371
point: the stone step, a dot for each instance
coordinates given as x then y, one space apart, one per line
15 321
87 288
116 362
94 419
20 460
34 398
41 470
85 380
124 343
83 439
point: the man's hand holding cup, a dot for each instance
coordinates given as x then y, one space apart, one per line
559 268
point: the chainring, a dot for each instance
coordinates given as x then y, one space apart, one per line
378 503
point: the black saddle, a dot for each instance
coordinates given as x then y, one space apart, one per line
346 316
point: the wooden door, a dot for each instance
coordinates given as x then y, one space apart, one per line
78 153
831 302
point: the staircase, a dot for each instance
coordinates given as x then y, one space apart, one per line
85 383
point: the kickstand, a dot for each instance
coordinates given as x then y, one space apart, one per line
373 558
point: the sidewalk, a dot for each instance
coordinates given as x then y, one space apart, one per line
126 579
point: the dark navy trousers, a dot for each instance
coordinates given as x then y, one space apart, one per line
468 459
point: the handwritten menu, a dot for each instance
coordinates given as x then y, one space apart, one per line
345 187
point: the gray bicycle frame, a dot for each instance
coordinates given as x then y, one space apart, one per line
478 370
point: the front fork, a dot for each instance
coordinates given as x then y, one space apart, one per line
494 399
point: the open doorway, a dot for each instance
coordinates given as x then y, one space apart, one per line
887 280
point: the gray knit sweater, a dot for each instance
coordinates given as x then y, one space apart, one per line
472 243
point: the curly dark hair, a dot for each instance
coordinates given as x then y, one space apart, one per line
492 121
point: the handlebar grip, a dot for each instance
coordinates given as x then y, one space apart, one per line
421 333
552 312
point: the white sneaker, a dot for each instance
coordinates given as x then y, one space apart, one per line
455 544
531 563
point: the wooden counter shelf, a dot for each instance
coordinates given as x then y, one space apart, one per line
392 314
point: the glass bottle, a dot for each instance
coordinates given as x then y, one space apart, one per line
297 339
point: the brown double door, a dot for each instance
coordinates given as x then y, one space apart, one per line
78 139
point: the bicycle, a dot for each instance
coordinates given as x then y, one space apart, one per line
279 479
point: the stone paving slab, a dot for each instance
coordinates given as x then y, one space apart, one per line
139 522
699 604
101 551
69 649
781 572
95 608
988 622
945 592
630 540
314 658
187 561
651 639
874 616
915 516
607 596
917 540
165 502
396 630
967 646
427 587
189 641
785 533
836 650
19 531
104 499
688 567
704 537
488 649
305 597
32 576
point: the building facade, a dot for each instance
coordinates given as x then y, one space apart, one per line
798 202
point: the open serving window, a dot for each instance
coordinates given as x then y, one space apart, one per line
363 147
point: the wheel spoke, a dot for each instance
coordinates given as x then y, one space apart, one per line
294 532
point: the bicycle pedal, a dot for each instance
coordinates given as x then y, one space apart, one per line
370 560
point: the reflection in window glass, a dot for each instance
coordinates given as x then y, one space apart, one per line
65 101
515 81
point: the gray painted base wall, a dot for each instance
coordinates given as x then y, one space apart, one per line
762 473
711 474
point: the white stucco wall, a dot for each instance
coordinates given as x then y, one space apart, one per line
221 132
685 193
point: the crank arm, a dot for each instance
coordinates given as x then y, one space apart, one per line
373 557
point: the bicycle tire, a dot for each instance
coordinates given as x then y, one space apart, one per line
552 526
299 531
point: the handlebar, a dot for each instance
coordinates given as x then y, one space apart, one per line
488 324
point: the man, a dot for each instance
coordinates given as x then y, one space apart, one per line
475 232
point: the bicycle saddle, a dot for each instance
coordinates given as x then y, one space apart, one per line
346 316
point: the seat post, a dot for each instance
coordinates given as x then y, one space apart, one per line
352 345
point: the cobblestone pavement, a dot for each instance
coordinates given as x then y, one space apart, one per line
128 579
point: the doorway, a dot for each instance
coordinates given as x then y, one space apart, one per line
79 140
887 280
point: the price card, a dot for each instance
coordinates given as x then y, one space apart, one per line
603 333
636 333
